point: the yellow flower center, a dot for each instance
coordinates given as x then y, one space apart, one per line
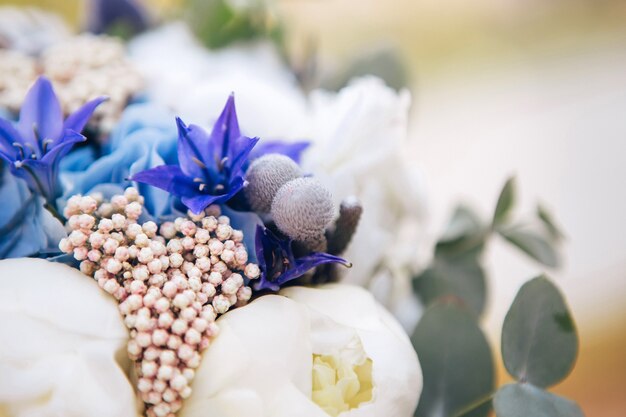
340 383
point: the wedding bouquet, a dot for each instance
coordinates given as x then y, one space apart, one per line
186 232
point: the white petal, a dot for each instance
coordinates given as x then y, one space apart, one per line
62 344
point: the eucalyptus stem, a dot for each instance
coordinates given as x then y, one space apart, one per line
472 406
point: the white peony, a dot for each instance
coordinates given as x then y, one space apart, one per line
62 344
309 352
358 140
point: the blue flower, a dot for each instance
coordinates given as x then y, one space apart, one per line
210 167
144 138
278 263
34 147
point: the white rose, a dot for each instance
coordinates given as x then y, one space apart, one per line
62 344
309 352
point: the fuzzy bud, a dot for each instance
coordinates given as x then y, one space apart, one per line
265 176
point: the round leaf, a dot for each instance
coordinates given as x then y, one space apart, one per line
525 400
456 361
464 234
539 341
462 277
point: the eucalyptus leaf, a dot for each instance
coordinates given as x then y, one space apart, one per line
461 277
218 23
533 244
505 203
539 340
384 62
548 221
465 233
526 400
456 361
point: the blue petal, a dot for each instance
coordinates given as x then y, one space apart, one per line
248 222
62 147
78 160
169 178
41 109
38 175
309 262
291 149
152 120
240 157
77 120
8 136
259 247
199 202
193 150
225 130
155 200
139 142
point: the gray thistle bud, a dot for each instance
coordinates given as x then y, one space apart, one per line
302 209
265 176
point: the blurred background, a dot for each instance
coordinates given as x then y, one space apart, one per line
530 88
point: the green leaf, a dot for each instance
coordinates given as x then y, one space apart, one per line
461 277
456 361
548 221
525 400
218 23
464 234
384 62
505 203
533 244
539 341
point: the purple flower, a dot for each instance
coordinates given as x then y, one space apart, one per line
278 263
106 15
210 167
38 141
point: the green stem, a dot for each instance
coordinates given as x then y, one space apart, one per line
49 205
54 212
474 405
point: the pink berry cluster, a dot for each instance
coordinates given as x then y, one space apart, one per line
171 282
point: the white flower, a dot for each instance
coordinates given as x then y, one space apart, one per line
62 344
30 29
310 352
195 82
359 137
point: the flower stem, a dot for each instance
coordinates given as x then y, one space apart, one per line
472 406
54 212
49 205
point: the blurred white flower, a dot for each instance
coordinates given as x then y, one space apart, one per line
29 29
195 82
311 352
62 344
